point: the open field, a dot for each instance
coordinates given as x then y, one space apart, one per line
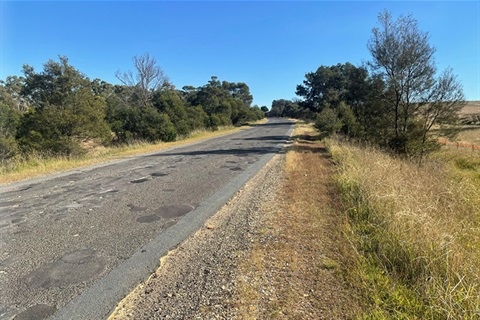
470 135
470 113
468 138
472 107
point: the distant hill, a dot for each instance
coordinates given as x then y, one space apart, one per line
472 107
470 114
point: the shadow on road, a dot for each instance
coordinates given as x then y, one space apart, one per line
275 139
234 151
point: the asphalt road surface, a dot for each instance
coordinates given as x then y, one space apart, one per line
72 245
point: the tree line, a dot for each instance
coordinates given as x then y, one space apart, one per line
397 100
60 110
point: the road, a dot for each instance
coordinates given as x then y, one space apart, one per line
72 245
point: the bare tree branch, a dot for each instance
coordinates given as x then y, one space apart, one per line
148 78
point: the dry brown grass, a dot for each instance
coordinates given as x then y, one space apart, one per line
470 135
295 268
417 231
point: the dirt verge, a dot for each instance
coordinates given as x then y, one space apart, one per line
295 268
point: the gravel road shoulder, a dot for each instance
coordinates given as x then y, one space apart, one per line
198 279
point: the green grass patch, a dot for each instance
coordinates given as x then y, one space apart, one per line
467 164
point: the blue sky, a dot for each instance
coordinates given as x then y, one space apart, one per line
268 45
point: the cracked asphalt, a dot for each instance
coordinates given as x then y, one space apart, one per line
88 236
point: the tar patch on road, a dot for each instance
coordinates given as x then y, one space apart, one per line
74 267
173 211
141 180
165 212
38 311
148 218
159 174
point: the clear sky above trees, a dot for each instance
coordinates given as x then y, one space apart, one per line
268 45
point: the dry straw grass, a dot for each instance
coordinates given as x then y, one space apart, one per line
470 135
417 232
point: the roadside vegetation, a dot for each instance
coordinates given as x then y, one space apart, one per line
397 101
416 231
375 237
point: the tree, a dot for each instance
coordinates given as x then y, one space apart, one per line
446 99
145 105
291 110
404 58
156 126
225 103
239 91
9 119
278 107
197 118
168 101
12 90
330 85
64 110
348 120
148 78
374 115
327 121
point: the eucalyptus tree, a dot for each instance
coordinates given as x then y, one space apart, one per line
64 111
9 119
224 102
328 86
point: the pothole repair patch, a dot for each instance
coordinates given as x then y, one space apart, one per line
173 211
159 174
148 218
141 180
38 311
74 267
166 212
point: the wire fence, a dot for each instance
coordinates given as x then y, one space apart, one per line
460 145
